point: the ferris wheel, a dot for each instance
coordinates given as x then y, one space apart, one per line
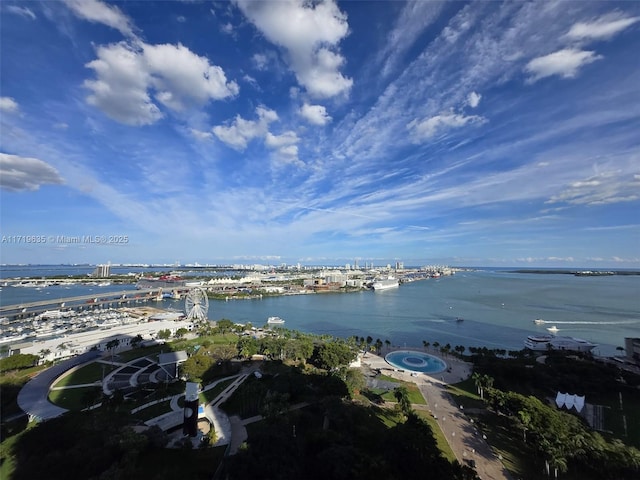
196 304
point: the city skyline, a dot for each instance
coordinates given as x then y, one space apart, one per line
471 134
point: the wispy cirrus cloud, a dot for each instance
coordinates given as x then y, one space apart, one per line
25 12
99 12
438 124
601 28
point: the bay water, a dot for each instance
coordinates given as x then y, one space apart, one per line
492 308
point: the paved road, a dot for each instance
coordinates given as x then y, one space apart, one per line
463 437
33 397
461 434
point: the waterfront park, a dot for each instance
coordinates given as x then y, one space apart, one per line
318 407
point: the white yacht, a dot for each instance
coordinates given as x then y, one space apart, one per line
554 342
275 321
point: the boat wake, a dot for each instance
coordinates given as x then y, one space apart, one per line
578 322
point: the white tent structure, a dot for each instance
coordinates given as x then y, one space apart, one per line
570 401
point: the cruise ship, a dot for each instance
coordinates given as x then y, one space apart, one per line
385 283
554 342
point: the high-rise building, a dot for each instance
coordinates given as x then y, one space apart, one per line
102 271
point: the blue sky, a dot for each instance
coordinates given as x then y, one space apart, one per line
480 133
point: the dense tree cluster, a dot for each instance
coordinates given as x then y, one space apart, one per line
19 361
339 440
562 441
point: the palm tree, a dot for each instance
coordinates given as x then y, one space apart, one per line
425 344
525 419
482 382
388 344
112 345
402 395
44 353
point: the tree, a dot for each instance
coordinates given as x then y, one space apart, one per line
482 382
525 419
354 380
44 353
425 344
331 355
388 344
164 334
247 346
402 396
181 332
112 345
16 362
224 325
196 366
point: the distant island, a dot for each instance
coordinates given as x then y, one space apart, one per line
578 273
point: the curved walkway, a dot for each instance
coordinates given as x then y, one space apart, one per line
219 419
33 398
461 434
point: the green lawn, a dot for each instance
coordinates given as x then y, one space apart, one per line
415 396
443 445
211 394
88 374
75 398
153 411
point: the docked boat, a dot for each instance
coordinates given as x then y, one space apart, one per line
554 342
385 283
275 321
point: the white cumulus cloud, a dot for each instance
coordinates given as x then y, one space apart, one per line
128 75
284 145
23 173
181 77
564 63
121 87
241 131
315 114
310 34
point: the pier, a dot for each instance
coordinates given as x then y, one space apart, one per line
79 303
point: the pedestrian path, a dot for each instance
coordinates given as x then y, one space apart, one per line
466 442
